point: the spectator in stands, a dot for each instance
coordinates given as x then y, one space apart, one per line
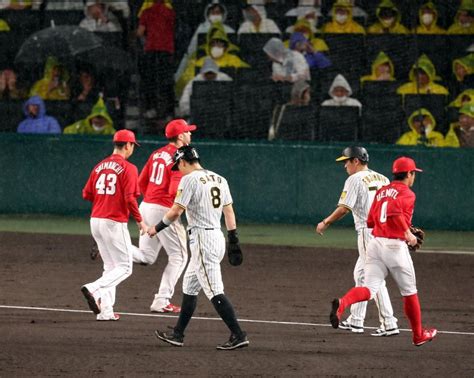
463 98
422 125
9 89
382 69
422 76
4 27
315 59
157 23
388 20
428 19
288 65
36 121
149 3
15 4
461 133
463 67
99 18
86 89
300 96
98 122
219 48
464 19
256 21
54 84
340 92
304 27
209 72
309 14
342 21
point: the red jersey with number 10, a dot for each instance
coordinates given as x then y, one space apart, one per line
391 201
113 190
157 181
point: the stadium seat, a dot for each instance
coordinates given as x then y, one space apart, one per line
436 104
338 123
251 47
297 123
347 53
24 22
252 109
110 39
254 74
62 17
11 114
382 125
61 110
211 108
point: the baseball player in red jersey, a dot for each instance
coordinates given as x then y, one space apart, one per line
390 217
112 188
159 184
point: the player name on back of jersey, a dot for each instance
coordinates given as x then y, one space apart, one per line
164 156
370 178
210 178
114 166
389 192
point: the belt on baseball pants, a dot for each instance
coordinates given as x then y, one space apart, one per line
207 229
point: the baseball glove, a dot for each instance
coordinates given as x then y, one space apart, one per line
234 253
420 237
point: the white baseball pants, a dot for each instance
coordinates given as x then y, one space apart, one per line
173 240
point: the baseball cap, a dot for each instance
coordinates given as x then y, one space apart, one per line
125 136
176 127
187 153
404 164
354 152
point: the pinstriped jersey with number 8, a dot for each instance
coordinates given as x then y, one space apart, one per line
203 193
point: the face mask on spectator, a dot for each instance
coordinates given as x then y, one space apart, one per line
215 18
97 127
217 52
387 22
341 18
466 25
427 19
340 99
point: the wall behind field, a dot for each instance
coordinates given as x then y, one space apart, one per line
270 182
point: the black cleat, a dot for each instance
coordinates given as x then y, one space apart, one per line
94 252
333 315
170 338
90 300
235 342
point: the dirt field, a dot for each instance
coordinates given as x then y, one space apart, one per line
273 286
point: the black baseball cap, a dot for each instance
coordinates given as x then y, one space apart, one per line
354 152
187 153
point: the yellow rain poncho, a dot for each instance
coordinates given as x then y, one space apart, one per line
457 27
379 27
430 138
433 28
149 3
452 136
42 87
303 26
4 27
84 126
381 58
465 96
412 86
467 62
349 26
226 60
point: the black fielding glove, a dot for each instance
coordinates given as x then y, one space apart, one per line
234 253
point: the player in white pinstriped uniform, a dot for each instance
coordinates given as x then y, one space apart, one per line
205 196
357 197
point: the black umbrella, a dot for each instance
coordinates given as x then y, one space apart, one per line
63 42
106 58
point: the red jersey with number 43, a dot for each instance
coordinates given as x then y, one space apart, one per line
157 181
391 201
113 189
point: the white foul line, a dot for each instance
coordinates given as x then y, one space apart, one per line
206 318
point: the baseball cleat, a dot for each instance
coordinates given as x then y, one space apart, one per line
333 315
169 308
112 317
426 336
94 252
90 300
170 338
380 332
235 342
349 327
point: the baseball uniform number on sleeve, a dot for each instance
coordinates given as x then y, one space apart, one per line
383 212
106 183
216 197
157 173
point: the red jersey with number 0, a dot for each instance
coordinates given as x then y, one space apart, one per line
113 190
391 201
157 181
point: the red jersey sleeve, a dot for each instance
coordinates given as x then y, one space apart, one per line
175 178
88 190
132 191
370 217
144 178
